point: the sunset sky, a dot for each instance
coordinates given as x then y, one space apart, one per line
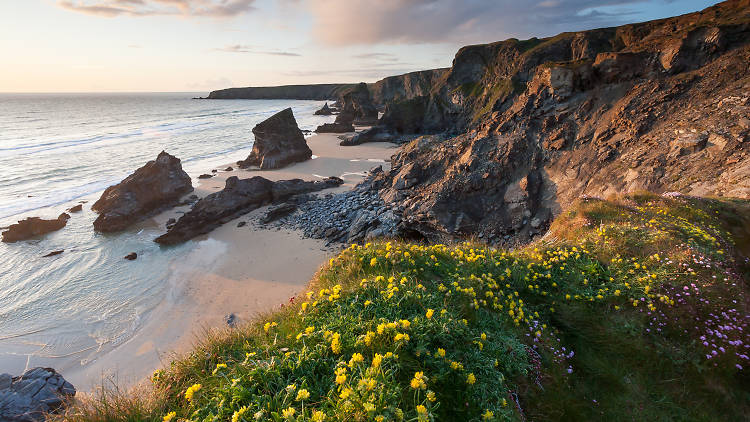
201 45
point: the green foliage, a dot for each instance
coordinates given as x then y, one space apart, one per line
593 325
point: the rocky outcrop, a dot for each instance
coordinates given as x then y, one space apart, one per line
33 227
152 188
319 92
324 111
525 127
373 134
32 395
406 86
278 143
238 197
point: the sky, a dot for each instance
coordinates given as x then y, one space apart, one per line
202 45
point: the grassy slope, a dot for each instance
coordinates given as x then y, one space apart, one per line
634 309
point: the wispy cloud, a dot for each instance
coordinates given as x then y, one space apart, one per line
367 22
377 56
112 8
241 48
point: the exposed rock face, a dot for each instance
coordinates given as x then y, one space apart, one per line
32 227
152 188
406 86
278 143
324 111
336 127
357 102
658 106
76 208
238 197
27 398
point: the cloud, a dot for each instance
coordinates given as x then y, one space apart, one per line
465 21
112 8
241 48
388 57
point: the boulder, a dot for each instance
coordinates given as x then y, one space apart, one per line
32 227
132 256
278 143
275 213
152 188
205 176
358 102
238 197
76 208
335 128
324 111
32 395
374 134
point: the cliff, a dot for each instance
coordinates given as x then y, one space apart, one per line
406 86
523 128
319 92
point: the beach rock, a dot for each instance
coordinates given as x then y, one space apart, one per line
132 256
76 208
335 127
152 188
170 222
205 176
29 397
242 224
230 168
358 102
32 227
373 134
278 143
324 111
231 320
238 197
53 253
275 213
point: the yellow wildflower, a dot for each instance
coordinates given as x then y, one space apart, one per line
289 412
318 416
429 313
471 379
169 416
190 392
487 415
303 394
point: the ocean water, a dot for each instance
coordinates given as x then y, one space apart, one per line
58 150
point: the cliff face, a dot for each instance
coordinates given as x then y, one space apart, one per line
407 86
659 106
319 92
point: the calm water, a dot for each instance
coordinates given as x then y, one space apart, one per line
58 150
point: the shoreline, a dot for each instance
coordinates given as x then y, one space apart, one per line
243 271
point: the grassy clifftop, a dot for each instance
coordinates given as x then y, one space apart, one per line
630 309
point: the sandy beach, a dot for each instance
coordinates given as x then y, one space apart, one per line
233 270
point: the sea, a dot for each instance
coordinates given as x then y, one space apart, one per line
60 150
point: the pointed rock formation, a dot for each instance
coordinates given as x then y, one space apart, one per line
152 188
278 143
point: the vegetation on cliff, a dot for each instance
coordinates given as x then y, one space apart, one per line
630 309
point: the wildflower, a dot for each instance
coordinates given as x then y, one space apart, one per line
373 262
401 336
369 407
376 360
336 343
219 366
169 416
487 415
303 394
418 382
471 379
429 313
238 414
269 325
345 393
440 352
368 303
357 357
431 396
318 416
421 410
291 387
289 412
190 392
340 376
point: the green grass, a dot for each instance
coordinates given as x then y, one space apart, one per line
591 323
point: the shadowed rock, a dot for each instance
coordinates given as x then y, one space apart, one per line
33 227
238 197
152 188
324 111
278 143
29 397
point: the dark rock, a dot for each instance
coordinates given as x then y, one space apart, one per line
152 188
205 176
278 143
324 111
358 102
238 197
32 395
53 253
132 256
170 222
230 168
335 127
214 171
242 224
231 320
374 134
32 227
76 208
275 213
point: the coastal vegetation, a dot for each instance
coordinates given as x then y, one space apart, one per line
633 308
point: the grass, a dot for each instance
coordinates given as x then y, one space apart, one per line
630 309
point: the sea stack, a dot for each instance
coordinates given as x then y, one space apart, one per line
152 188
278 143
